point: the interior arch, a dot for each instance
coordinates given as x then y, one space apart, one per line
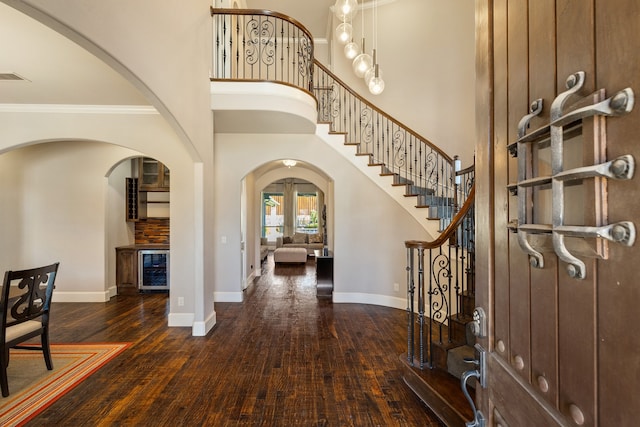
254 183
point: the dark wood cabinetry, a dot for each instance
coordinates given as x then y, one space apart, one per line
153 175
127 270
127 266
136 205
150 187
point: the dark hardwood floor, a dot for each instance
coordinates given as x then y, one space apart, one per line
283 357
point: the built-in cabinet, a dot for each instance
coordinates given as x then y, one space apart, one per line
153 175
128 267
148 194
127 270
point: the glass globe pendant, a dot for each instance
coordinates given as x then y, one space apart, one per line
376 84
344 32
371 72
362 63
345 10
351 50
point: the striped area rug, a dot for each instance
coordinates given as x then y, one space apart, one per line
33 388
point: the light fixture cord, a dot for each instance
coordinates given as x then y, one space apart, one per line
362 29
375 25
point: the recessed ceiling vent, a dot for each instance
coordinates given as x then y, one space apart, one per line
11 76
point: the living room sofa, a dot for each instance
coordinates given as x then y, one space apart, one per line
310 242
264 248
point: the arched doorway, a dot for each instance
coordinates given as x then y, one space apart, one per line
303 179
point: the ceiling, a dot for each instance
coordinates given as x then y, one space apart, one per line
57 71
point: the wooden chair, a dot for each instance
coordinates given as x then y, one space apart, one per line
24 302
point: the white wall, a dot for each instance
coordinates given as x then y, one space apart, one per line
118 232
426 50
369 227
143 133
171 69
61 215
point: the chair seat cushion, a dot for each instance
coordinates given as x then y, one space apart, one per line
21 329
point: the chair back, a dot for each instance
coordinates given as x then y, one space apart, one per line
26 295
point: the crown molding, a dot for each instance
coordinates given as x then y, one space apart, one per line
77 109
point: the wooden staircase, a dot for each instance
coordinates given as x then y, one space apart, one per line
441 342
438 386
425 171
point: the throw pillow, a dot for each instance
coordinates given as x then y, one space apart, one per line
315 238
287 239
299 238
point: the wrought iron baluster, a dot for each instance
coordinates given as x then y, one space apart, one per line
421 306
410 306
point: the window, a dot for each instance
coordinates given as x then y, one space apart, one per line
307 213
272 215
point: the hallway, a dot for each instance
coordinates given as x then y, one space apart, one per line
281 358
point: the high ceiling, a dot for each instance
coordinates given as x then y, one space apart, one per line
58 71
55 69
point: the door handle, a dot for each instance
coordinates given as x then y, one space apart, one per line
480 375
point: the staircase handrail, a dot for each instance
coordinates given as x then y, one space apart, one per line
261 45
448 233
400 151
373 107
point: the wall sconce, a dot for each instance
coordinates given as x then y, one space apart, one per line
289 163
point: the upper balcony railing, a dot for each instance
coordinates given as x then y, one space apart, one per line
258 45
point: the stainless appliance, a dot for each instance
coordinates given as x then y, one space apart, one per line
153 269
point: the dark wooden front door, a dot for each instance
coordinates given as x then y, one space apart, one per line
561 349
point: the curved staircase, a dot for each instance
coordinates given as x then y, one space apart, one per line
416 173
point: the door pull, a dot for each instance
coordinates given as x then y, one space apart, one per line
480 374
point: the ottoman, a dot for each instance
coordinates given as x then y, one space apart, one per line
290 255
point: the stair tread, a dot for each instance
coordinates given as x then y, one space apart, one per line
440 391
456 364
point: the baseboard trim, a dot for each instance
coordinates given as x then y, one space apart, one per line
373 299
68 296
227 297
181 319
200 329
112 291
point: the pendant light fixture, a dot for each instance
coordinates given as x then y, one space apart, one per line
351 49
362 62
376 85
374 80
344 32
345 10
364 65
371 72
